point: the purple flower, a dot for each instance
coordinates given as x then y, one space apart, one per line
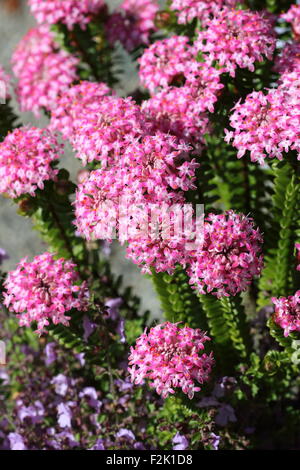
126 434
121 330
93 401
215 441
225 414
124 385
113 308
4 377
180 442
88 328
81 359
61 384
35 413
64 415
16 441
98 445
50 354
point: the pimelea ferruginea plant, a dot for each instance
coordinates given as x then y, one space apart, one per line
197 175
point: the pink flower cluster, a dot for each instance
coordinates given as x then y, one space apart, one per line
267 125
293 16
43 71
4 85
77 101
167 61
169 356
26 156
237 38
289 59
69 12
287 312
229 257
201 9
133 24
177 111
162 246
44 290
105 133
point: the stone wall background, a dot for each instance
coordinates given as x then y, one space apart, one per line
16 234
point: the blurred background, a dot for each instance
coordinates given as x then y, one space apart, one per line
16 234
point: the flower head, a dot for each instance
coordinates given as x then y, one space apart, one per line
169 356
75 102
237 38
133 23
187 10
43 291
166 62
68 12
104 134
229 257
177 111
266 125
43 70
287 312
26 156
293 16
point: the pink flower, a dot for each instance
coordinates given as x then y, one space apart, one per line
289 59
202 9
5 82
237 38
26 157
44 290
166 61
105 133
177 111
229 257
75 102
293 16
69 12
267 125
102 200
161 160
169 356
157 239
287 312
133 23
43 71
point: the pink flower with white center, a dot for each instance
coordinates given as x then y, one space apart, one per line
161 241
104 134
68 12
177 111
133 23
204 10
287 312
266 125
293 16
229 257
289 59
43 291
78 100
102 202
297 246
168 62
171 357
161 160
5 82
237 38
43 71
26 157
